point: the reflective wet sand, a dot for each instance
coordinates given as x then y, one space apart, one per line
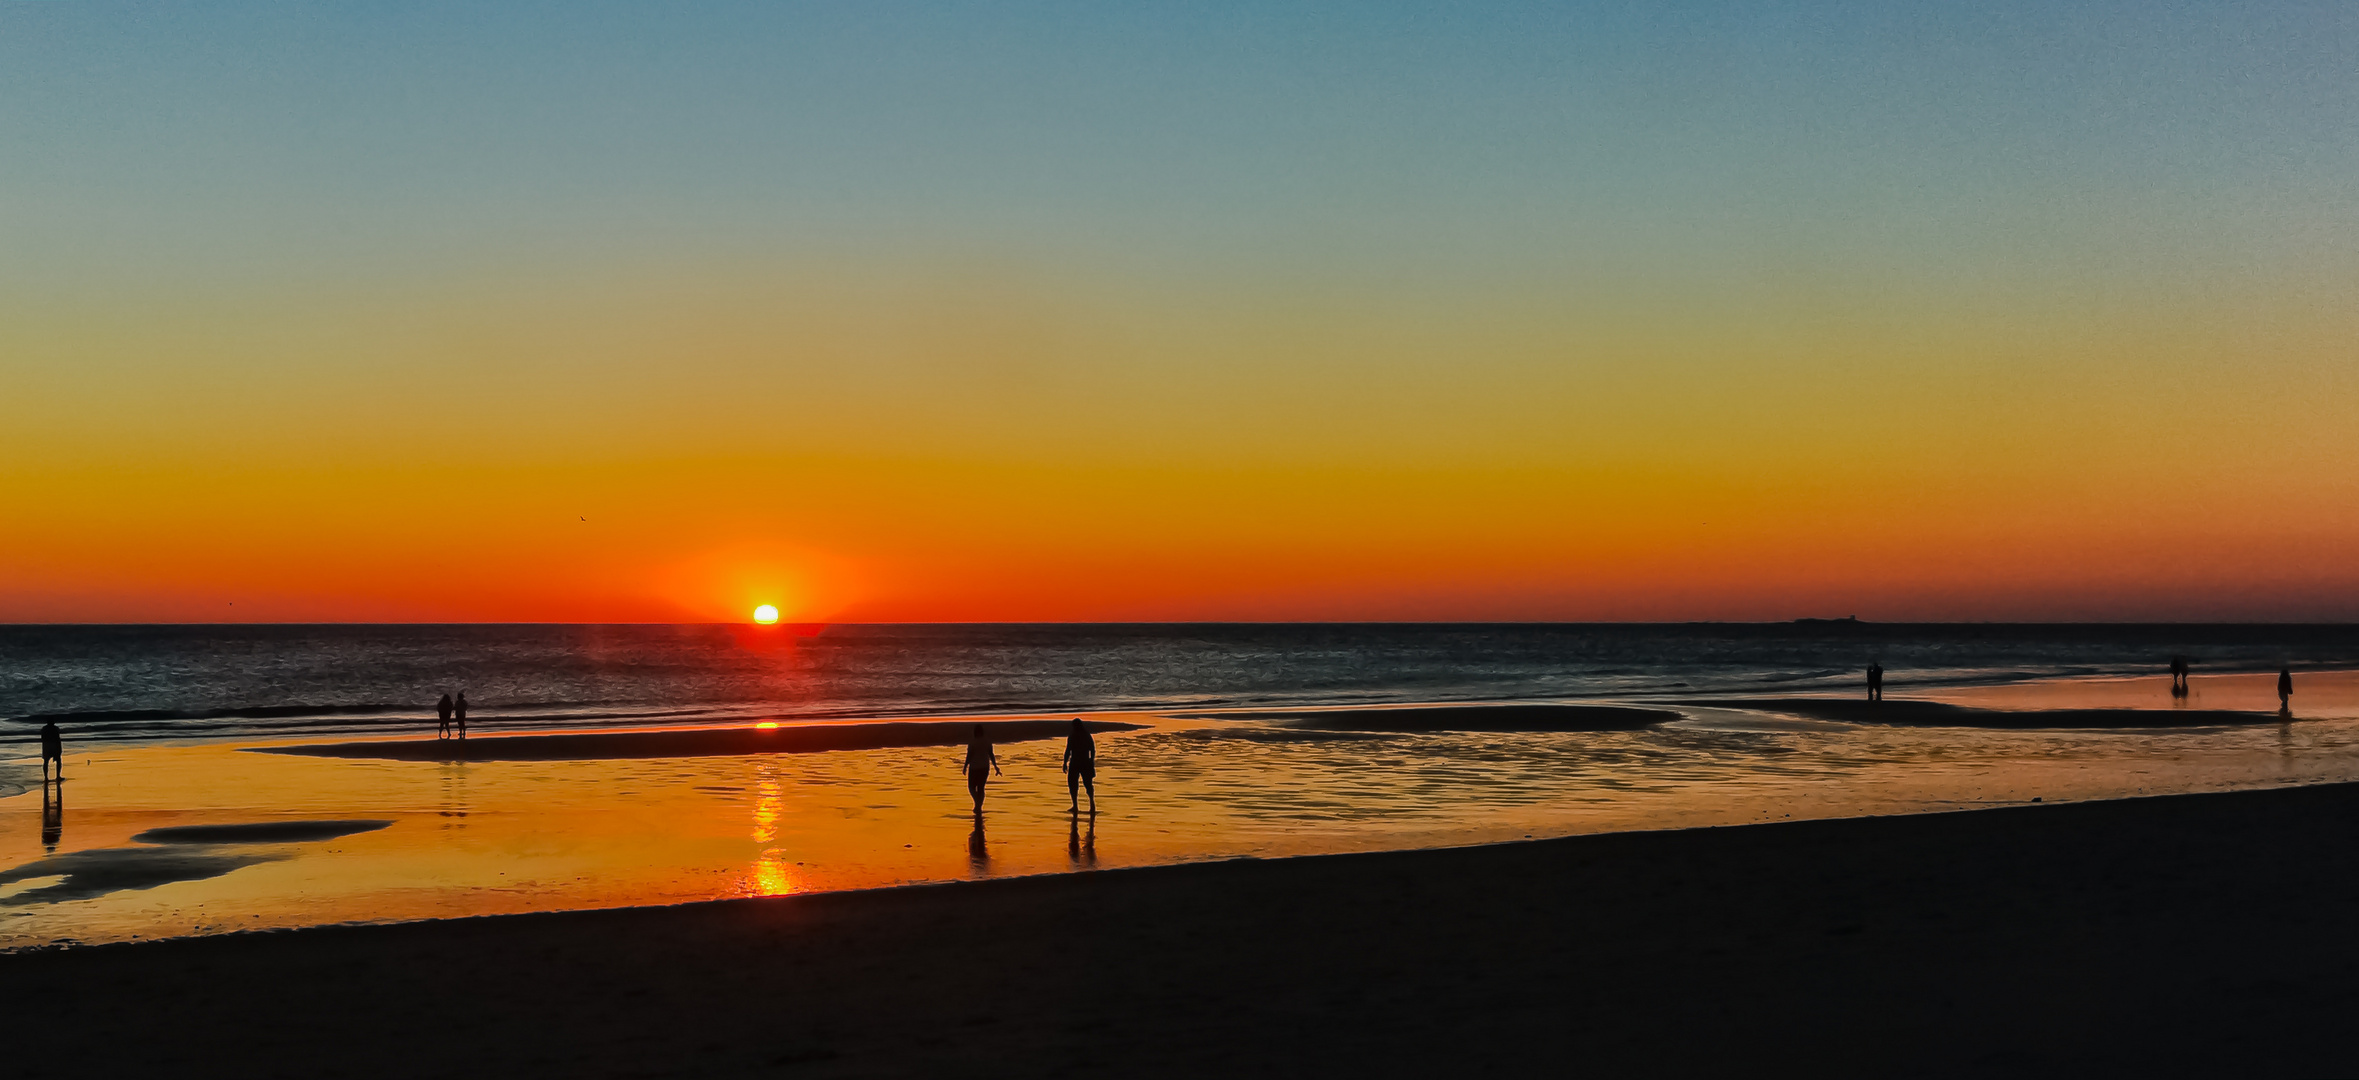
504 836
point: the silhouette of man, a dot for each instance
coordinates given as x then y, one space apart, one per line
2179 667
459 713
981 763
1876 682
442 709
53 748
2285 687
1081 765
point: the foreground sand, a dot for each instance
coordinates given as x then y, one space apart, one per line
2187 934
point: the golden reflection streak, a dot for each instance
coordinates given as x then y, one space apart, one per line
766 808
772 877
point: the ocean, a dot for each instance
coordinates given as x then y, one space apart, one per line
144 684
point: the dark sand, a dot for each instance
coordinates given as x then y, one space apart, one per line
260 832
1937 714
695 742
1484 718
179 853
2205 934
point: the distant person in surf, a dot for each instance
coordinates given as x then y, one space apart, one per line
981 763
459 714
2179 669
1081 765
442 709
53 748
2285 688
1876 682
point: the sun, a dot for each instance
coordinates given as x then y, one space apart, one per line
766 614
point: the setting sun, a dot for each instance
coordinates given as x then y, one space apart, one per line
766 614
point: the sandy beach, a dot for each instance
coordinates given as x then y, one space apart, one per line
2185 934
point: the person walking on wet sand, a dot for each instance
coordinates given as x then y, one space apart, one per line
1875 682
459 714
53 748
2285 687
981 763
1081 765
442 709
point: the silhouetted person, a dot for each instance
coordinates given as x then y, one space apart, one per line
443 709
2179 668
1876 682
2285 688
53 814
981 763
459 713
53 748
1081 765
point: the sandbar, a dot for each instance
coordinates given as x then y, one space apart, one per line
1916 713
694 742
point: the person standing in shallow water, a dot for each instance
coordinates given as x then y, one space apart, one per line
1081 765
1876 682
53 748
981 763
2285 687
442 709
459 714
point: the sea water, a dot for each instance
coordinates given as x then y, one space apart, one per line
141 683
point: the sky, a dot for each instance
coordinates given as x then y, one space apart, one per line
594 311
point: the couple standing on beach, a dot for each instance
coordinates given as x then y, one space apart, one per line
1080 765
453 714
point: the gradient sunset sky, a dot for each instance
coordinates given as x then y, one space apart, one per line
594 311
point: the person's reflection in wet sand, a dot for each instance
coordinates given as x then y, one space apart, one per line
1082 847
454 795
53 813
978 851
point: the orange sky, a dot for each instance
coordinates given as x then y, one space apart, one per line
1465 320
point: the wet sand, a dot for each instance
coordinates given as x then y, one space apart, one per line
2207 933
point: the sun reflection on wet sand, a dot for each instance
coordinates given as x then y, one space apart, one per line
505 836
771 876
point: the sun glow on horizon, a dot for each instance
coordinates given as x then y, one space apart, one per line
766 614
